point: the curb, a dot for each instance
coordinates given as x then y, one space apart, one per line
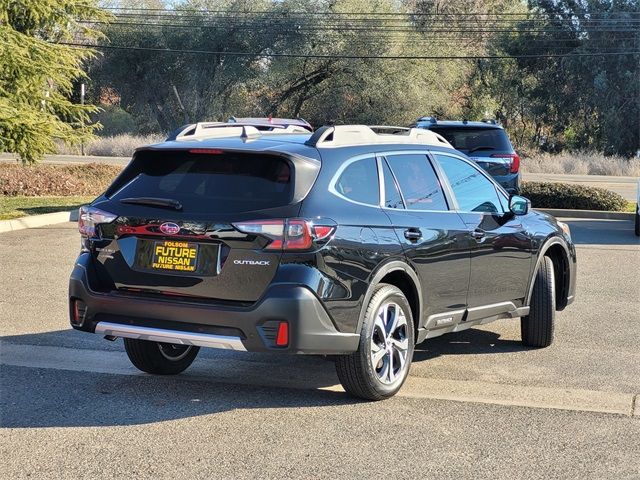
35 221
596 214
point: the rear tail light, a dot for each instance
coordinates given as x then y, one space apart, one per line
515 160
288 234
89 218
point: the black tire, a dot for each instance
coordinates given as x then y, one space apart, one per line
537 327
637 229
160 358
357 373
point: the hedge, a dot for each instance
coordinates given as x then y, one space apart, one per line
570 196
55 180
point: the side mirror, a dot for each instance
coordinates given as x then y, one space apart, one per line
519 205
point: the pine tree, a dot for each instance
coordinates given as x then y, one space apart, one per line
38 72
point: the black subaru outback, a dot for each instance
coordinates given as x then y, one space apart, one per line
343 243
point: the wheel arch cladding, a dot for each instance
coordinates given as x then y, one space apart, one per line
402 277
401 280
559 257
558 252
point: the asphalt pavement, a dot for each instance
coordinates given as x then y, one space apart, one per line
477 403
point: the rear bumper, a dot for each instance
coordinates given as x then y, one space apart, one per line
250 328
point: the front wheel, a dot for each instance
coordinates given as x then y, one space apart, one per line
160 358
381 364
637 229
537 327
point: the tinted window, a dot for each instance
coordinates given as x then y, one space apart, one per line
359 182
476 139
206 183
474 192
392 197
418 182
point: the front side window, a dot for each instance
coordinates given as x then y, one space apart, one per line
418 182
359 182
474 192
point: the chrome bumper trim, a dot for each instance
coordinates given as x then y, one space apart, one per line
170 336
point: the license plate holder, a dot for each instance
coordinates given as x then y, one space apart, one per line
175 256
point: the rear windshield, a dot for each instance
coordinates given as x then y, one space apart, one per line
469 140
206 183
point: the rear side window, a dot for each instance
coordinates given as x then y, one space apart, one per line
392 197
359 182
469 140
418 182
206 183
474 192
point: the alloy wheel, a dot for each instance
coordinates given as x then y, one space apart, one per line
389 343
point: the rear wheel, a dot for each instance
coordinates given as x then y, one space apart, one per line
637 221
381 365
160 358
537 327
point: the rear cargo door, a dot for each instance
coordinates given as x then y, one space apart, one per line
174 234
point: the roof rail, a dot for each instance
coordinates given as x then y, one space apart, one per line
347 135
388 129
492 121
202 130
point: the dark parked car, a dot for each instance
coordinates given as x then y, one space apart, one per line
343 243
486 143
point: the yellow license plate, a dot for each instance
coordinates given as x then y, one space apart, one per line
176 256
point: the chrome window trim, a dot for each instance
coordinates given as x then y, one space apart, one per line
342 168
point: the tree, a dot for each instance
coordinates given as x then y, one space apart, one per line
578 100
37 74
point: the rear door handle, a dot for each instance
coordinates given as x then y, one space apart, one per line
413 234
478 234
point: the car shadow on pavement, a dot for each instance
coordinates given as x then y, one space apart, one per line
467 342
54 391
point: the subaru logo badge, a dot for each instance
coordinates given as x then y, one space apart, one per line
169 228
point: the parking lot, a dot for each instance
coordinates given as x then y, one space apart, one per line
477 404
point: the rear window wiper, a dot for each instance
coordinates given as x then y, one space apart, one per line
483 147
154 202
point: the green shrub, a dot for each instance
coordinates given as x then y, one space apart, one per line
55 180
570 196
115 121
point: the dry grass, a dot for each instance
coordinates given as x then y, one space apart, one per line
116 146
55 180
581 163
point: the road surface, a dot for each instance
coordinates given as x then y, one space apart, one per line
476 406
